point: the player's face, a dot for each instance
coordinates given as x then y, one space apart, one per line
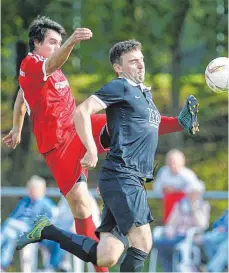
132 66
51 43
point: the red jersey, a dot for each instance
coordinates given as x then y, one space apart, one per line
49 102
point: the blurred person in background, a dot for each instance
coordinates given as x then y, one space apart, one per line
215 244
172 180
191 211
23 216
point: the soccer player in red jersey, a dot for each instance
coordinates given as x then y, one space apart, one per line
46 95
45 92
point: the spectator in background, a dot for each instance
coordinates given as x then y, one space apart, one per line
215 244
172 180
23 216
191 211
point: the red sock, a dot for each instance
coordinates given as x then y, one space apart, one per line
169 125
87 228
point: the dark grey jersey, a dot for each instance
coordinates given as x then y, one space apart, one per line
133 121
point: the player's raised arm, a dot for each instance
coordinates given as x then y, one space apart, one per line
60 56
14 136
82 122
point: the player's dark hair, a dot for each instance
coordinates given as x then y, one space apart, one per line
120 48
39 27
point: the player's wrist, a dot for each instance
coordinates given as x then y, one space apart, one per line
16 129
70 41
92 149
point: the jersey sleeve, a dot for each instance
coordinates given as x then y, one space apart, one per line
111 93
33 69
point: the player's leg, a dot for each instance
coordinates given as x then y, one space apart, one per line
80 203
65 166
141 243
81 246
125 196
109 250
112 242
187 119
105 253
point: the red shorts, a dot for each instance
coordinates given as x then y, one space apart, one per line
64 161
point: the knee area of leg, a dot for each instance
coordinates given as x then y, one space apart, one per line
148 246
107 261
145 247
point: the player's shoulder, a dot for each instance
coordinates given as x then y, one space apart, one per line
33 58
37 58
115 85
117 82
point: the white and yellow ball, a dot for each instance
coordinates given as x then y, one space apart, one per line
217 75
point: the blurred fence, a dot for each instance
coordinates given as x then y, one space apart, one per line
10 196
54 192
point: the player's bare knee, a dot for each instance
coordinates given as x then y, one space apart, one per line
79 201
141 238
109 250
108 260
143 245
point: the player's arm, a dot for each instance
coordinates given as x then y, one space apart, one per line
83 126
14 136
60 56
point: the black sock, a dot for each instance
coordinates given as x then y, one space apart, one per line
134 260
81 246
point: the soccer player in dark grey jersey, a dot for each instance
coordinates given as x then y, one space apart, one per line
133 122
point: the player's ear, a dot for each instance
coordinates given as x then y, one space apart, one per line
117 68
36 43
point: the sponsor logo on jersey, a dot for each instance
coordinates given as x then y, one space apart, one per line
154 117
61 85
22 73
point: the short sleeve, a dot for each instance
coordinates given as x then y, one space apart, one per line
111 93
33 68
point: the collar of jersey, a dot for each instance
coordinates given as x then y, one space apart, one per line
39 56
142 86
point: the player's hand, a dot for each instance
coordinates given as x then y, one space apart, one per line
89 160
12 139
81 34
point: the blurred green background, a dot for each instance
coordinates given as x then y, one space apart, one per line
179 37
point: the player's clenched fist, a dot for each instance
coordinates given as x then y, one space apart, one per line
81 34
12 139
89 161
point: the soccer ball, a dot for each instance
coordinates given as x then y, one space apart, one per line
217 74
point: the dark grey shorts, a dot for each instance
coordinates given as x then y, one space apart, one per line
125 202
